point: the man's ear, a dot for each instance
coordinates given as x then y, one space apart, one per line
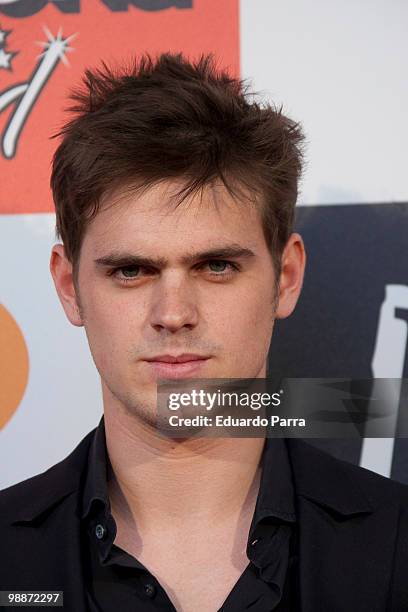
291 277
62 272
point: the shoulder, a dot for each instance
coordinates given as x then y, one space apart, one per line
27 499
373 481
319 474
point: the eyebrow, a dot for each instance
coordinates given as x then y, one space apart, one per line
123 259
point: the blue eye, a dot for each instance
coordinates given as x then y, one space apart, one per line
218 266
126 274
129 269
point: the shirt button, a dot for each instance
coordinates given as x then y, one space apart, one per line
100 531
150 589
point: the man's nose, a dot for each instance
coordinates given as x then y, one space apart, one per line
174 305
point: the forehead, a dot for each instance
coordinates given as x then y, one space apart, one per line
153 217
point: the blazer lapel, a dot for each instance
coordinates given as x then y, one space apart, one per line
347 533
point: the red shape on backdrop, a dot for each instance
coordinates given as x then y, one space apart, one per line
44 54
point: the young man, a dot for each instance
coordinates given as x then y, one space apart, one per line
175 198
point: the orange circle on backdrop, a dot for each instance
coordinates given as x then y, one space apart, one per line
14 366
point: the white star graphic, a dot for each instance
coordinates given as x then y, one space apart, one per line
5 59
3 35
57 44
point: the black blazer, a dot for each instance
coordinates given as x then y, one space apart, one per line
353 533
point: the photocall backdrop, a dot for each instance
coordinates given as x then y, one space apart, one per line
338 70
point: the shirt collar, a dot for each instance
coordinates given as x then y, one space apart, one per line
335 485
95 488
276 491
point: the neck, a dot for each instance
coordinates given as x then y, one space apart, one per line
157 481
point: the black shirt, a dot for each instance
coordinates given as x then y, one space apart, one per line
118 581
352 540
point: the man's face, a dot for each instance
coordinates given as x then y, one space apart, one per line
195 280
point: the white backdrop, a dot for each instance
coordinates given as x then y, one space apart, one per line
340 68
